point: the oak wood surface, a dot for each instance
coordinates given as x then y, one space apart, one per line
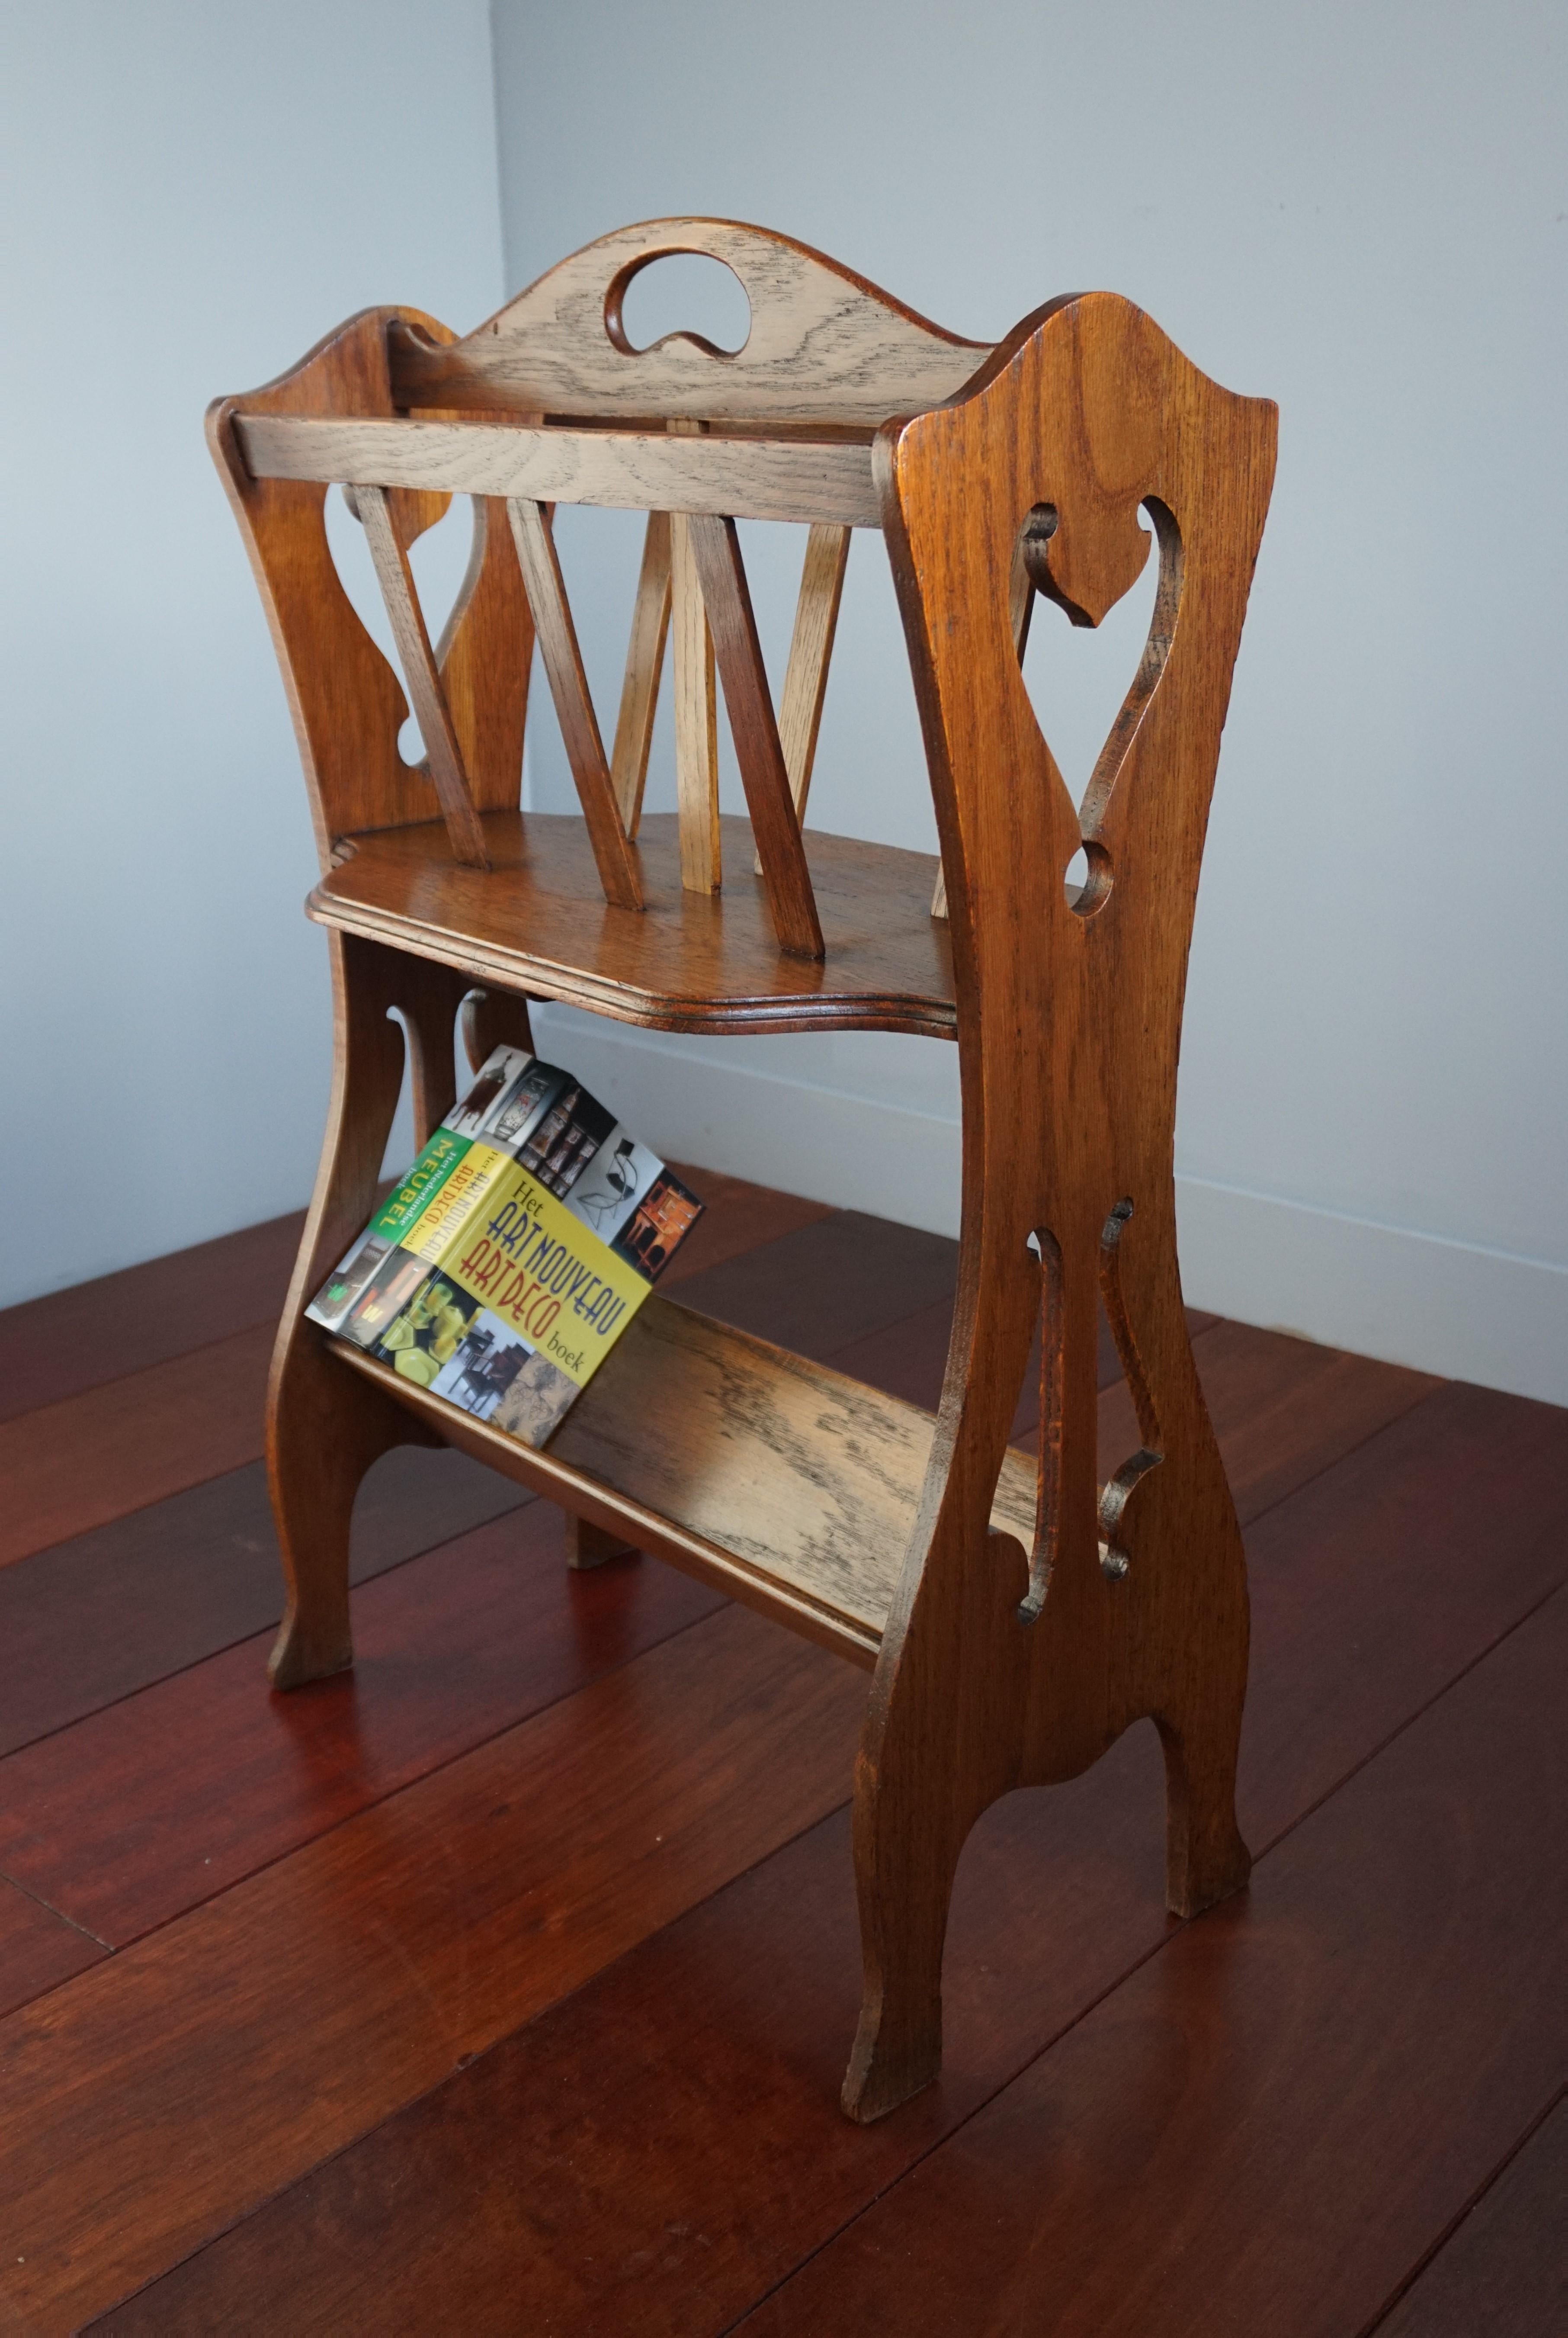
71 1341
809 481
811 655
785 1484
140 2110
1503 2272
688 961
535 2186
775 820
644 660
696 712
422 679
824 344
169 1796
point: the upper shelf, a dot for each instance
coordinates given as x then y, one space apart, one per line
538 922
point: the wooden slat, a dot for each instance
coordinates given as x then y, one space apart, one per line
166 1799
1020 608
97 1618
444 757
142 2113
636 471
644 660
783 1483
810 654
1504 2274
557 639
696 720
592 2172
72 1340
689 962
774 824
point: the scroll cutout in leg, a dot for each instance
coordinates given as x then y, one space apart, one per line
1113 1496
1052 1351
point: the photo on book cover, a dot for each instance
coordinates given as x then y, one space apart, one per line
609 1188
347 1282
424 1336
565 1141
489 1357
535 1402
660 1221
521 1104
500 1068
391 1286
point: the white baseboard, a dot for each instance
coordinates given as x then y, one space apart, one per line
1440 1306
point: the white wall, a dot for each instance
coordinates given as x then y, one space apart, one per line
194 194
1362 210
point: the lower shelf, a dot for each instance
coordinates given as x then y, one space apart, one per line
786 1484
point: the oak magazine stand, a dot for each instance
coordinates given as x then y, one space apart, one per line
1015 1615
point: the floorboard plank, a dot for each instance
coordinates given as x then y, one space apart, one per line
165 1799
38 1948
92 1458
826 1285
108 1613
1503 2272
1265 2127
737 1217
152 2100
71 1341
652 2155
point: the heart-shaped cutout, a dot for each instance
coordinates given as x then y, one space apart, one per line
1083 683
438 557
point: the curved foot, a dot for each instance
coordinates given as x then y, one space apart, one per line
891 2060
1205 1858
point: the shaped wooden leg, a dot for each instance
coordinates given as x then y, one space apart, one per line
590 1546
905 1858
1205 1857
325 1426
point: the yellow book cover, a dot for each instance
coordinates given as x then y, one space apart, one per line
518 1310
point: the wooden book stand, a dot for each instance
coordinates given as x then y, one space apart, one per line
1015 1615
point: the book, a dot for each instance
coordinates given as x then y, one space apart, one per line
502 1269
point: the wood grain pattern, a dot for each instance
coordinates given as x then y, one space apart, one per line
71 1341
563 661
629 470
72 1466
785 1484
443 756
696 720
164 1800
824 345
688 962
775 823
592 2170
402 1943
96 1618
1282 2046
38 1948
644 660
1504 2274
346 703
810 654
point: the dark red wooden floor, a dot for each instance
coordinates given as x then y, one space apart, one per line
506 1985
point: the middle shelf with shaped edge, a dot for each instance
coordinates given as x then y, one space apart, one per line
783 1483
536 921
